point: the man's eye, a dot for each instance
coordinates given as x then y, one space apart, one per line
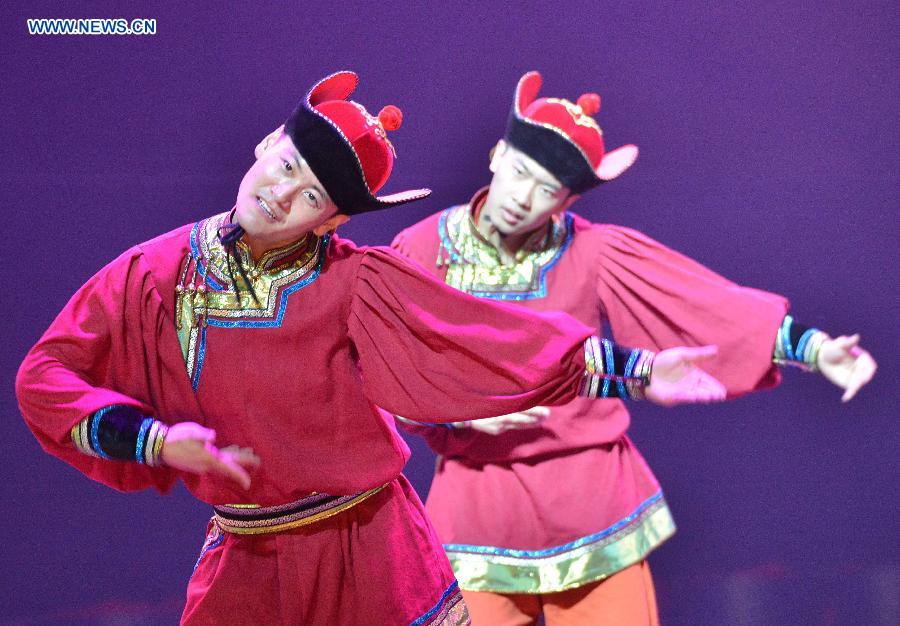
311 197
287 166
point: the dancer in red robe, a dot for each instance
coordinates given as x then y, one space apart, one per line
536 508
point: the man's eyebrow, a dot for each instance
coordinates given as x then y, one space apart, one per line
299 161
540 180
322 193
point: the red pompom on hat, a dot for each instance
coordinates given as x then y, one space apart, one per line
589 103
390 117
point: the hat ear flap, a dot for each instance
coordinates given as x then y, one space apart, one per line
616 161
527 90
338 86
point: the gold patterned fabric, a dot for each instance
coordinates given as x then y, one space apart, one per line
250 519
206 294
589 559
474 265
449 611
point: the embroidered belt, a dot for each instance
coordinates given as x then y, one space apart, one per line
251 519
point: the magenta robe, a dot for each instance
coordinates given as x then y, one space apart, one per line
298 383
554 507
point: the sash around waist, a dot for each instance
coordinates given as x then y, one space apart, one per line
251 519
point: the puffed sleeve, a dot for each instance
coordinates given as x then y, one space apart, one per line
434 354
657 298
91 353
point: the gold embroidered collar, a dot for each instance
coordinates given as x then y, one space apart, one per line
475 265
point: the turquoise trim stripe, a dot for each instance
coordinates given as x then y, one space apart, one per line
454 588
142 435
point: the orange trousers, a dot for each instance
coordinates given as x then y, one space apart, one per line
624 599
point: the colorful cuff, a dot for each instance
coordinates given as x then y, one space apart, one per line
612 371
797 345
122 433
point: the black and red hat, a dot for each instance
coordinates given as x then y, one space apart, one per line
346 147
564 137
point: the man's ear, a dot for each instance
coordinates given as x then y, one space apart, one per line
496 154
331 224
268 141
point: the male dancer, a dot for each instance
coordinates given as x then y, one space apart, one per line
554 510
259 327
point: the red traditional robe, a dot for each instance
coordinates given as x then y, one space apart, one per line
554 507
337 329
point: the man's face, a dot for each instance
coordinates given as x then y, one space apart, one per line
280 199
523 195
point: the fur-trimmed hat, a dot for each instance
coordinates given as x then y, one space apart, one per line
346 147
564 137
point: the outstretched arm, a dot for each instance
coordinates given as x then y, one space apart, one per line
424 347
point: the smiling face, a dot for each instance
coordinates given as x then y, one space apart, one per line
280 199
523 195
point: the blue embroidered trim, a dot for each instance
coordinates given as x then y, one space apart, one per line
95 430
541 292
195 252
801 344
279 316
206 549
437 607
201 352
536 554
282 302
786 337
629 371
610 368
445 240
142 435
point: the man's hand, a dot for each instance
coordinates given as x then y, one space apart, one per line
513 421
676 379
845 364
189 447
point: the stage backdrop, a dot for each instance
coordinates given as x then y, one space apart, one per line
769 144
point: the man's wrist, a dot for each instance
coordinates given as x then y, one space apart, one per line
122 433
798 345
613 371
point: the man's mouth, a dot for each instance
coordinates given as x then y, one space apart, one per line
266 209
511 216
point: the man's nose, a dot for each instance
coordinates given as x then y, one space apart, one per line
522 195
283 192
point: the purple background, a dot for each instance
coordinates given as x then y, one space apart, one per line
769 146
